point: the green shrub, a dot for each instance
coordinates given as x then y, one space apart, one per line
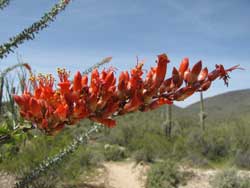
151 147
165 175
214 143
195 159
241 132
244 183
114 152
226 179
180 149
121 135
242 159
50 180
229 179
143 155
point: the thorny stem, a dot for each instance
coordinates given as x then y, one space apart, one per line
97 65
4 3
49 162
30 32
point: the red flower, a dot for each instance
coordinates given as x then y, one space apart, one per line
61 111
77 84
52 108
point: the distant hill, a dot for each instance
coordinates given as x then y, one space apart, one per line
220 107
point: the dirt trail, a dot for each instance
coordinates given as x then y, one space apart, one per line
125 174
128 175
6 181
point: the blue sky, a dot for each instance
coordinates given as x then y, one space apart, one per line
217 32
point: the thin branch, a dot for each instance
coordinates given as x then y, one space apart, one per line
30 32
11 68
97 65
48 163
4 138
5 72
4 3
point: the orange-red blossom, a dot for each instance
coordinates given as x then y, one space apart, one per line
102 96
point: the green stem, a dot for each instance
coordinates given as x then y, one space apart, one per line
169 122
202 112
1 92
97 65
30 32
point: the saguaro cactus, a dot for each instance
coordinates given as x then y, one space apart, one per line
202 113
169 121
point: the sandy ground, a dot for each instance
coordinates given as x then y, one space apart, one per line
200 178
125 174
6 181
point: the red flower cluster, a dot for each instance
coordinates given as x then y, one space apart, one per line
101 97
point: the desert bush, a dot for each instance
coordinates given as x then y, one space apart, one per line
214 143
95 156
245 183
217 144
165 175
240 133
114 152
226 179
50 180
180 149
121 135
150 147
242 158
229 179
195 159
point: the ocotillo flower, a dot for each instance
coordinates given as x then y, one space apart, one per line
103 96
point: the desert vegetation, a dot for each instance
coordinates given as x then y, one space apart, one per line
140 137
60 134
